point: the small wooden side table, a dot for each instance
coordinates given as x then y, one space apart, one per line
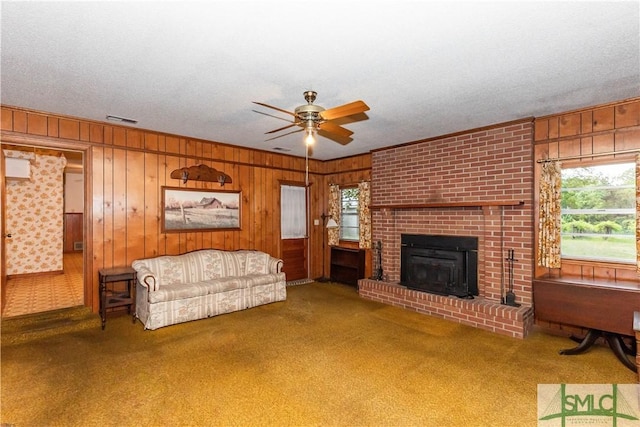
110 297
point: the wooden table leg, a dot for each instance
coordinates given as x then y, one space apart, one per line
585 344
103 303
132 293
618 347
616 343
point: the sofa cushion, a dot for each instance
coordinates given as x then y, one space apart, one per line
224 284
223 264
168 269
196 264
178 291
257 263
263 279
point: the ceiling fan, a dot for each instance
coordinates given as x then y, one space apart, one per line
313 118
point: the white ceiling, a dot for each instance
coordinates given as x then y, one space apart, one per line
424 68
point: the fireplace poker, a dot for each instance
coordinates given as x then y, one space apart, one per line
502 298
510 297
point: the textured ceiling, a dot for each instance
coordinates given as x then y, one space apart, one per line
424 68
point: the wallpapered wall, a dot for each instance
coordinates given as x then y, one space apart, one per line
34 217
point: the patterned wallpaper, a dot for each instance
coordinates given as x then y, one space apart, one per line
34 216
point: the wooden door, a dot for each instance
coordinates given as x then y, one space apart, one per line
73 236
294 255
294 228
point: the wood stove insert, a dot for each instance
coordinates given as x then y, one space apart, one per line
445 265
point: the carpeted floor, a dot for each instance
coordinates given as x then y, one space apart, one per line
324 357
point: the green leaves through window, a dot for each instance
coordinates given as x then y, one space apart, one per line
349 214
598 213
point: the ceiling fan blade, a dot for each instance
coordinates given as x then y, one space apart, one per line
275 108
343 140
271 115
354 107
282 128
335 129
284 134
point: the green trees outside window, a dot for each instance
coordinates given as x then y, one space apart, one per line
598 213
349 218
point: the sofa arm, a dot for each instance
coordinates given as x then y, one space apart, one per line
275 265
146 278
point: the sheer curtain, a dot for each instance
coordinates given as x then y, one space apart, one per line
549 227
293 213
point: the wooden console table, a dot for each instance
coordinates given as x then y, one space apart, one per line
605 309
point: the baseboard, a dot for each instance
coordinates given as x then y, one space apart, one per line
299 282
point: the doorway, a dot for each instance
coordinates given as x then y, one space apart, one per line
293 228
35 289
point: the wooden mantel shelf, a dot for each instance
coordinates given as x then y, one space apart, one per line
477 204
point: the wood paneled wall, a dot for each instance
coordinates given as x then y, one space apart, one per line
602 133
127 167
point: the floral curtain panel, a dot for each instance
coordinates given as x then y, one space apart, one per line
638 213
334 212
364 200
549 227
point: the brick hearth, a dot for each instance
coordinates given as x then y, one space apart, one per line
478 312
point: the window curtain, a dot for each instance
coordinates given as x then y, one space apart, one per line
334 212
293 217
364 200
638 213
549 227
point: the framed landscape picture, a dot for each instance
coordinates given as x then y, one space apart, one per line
196 209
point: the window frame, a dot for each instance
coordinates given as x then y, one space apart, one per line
342 227
573 164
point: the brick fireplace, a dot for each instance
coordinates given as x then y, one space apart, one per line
477 183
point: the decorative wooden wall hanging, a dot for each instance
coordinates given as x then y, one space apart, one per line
201 173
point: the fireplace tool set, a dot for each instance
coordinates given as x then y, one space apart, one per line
510 298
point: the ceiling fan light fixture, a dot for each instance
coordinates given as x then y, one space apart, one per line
310 139
310 130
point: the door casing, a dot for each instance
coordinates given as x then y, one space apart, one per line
17 139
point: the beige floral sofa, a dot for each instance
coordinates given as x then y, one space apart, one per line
178 288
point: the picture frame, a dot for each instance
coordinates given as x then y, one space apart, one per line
186 210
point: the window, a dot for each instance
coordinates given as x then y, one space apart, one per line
349 219
598 213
